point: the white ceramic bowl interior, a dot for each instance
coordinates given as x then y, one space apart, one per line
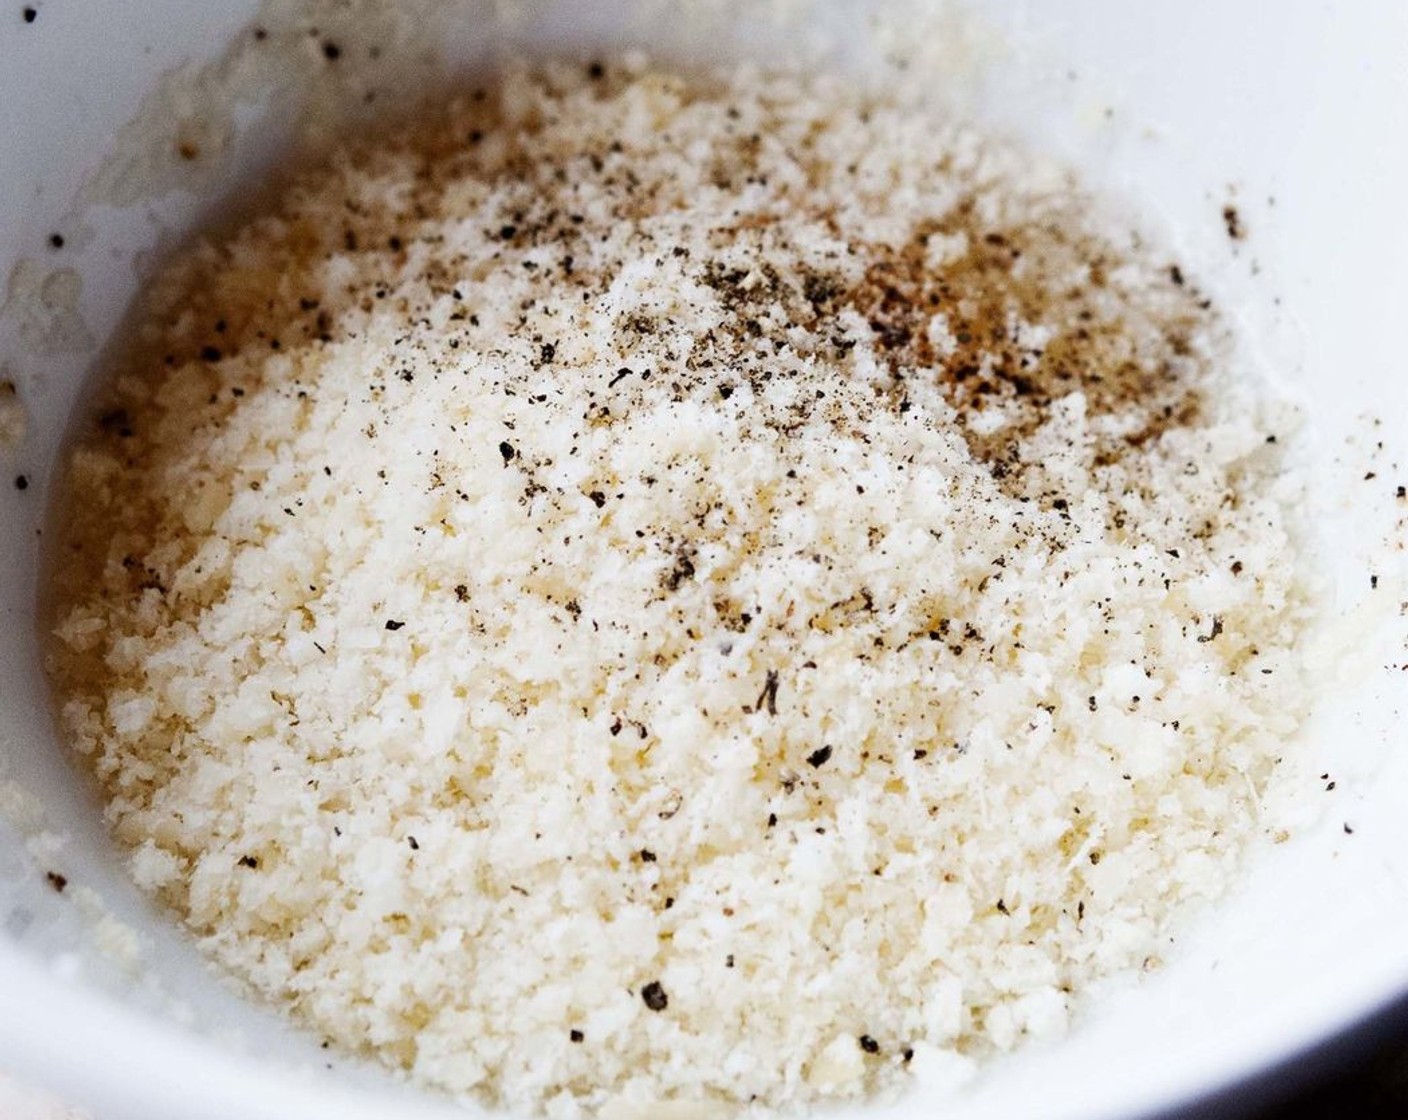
1293 113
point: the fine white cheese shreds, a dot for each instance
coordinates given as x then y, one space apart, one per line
640 590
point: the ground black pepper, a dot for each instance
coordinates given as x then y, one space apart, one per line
1232 219
768 697
654 996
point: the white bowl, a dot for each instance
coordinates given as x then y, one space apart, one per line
1179 106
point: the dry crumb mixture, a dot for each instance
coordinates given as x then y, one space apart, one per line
720 591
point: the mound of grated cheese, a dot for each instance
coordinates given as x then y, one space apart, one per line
711 591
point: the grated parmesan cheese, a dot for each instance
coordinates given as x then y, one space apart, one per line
647 592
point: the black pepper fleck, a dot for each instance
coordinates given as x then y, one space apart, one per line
654 996
507 451
393 625
576 1035
21 482
1232 219
869 1045
57 881
768 697
819 757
